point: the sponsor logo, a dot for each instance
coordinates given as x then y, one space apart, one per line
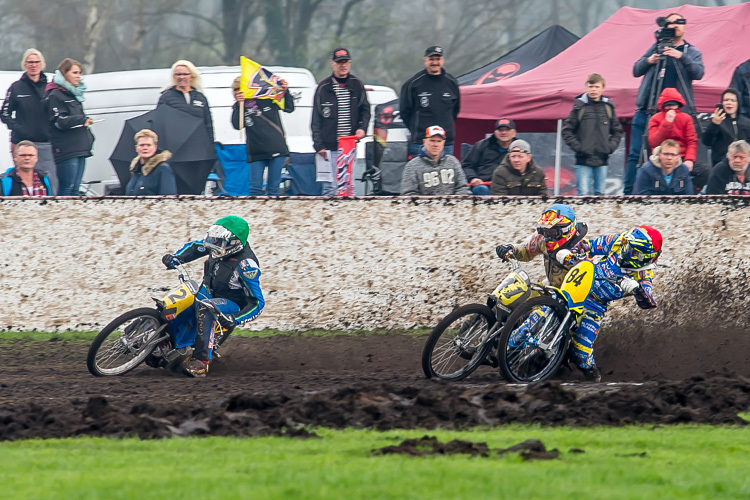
326 112
424 101
502 72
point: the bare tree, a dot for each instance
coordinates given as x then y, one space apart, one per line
95 21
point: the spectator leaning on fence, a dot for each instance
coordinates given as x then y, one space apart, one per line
434 172
485 156
518 175
730 175
664 173
25 179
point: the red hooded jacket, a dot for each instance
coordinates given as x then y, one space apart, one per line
681 129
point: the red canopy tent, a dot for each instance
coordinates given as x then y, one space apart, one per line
541 96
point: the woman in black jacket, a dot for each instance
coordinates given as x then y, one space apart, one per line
266 141
150 174
185 94
69 132
726 126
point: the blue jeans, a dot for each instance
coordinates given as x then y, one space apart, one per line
257 169
480 190
637 129
70 175
583 179
415 149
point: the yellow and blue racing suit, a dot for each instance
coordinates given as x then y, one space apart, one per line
604 292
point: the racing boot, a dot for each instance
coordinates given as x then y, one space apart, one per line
592 375
197 368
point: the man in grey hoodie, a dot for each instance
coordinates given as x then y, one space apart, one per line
433 172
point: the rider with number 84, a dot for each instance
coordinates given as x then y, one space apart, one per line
628 258
230 281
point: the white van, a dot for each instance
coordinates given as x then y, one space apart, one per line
115 97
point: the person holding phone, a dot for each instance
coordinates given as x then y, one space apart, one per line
726 126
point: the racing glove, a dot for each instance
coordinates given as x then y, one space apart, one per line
170 261
503 250
629 285
562 256
227 321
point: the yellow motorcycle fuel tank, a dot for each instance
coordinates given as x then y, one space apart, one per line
514 289
179 299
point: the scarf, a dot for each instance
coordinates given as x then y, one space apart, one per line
77 92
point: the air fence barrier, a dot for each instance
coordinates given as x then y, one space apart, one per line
350 264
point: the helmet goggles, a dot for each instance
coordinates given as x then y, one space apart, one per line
639 250
221 242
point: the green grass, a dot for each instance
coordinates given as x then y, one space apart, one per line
680 462
34 336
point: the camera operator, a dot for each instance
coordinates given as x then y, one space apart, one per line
669 62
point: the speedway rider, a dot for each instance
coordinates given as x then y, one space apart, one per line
230 282
629 257
556 230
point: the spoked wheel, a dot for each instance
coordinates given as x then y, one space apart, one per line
519 355
456 347
122 344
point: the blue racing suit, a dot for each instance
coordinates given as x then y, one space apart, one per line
604 292
232 283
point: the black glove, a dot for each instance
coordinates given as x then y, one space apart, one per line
227 321
170 261
502 251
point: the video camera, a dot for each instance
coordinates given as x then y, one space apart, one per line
664 36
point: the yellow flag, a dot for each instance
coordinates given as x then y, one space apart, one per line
257 82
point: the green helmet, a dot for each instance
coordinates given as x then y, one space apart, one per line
227 236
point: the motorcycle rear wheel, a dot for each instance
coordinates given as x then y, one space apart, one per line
455 347
122 344
528 363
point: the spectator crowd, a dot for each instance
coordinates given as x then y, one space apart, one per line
51 138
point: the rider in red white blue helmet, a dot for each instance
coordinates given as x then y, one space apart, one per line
628 262
557 229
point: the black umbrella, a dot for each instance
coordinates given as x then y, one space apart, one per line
184 135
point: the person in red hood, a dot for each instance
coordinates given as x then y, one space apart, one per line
671 123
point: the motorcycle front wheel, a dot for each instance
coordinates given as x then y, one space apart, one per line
457 345
521 359
124 343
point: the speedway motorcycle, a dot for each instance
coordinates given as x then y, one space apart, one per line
467 337
534 340
162 336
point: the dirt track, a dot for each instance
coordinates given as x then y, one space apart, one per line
262 386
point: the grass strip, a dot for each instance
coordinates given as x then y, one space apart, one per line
683 462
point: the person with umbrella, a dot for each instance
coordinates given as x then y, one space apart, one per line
69 132
185 94
150 173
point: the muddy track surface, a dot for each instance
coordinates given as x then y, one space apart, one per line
283 384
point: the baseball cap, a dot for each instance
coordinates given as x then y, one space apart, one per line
520 146
435 50
435 130
341 54
505 122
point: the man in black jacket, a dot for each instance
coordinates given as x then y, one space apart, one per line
730 175
485 156
430 97
593 132
24 113
340 108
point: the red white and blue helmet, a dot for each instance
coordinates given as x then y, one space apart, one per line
558 226
641 248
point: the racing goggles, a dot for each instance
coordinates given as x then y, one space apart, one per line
635 259
221 241
554 233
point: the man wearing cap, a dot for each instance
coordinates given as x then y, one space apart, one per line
340 108
485 156
518 175
430 97
434 172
